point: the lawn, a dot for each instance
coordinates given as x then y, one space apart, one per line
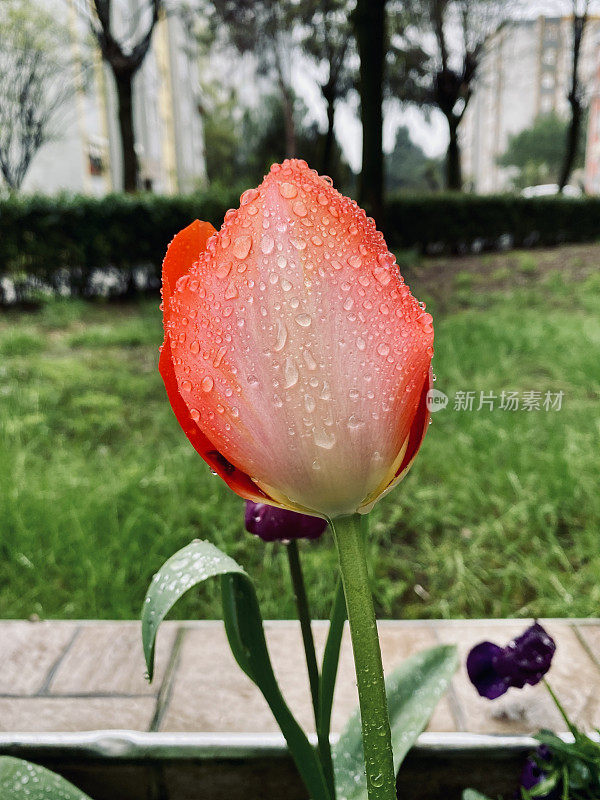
500 515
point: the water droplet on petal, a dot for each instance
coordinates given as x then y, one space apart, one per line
299 209
287 190
304 320
281 337
231 291
267 243
207 383
186 386
291 373
241 246
323 438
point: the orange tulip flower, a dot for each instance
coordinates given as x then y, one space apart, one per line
295 357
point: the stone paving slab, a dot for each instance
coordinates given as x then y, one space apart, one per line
77 676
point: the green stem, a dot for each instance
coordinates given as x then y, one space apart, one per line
558 704
376 735
305 619
331 658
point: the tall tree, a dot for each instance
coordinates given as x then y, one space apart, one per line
369 23
536 154
576 91
37 79
125 56
327 40
446 41
266 29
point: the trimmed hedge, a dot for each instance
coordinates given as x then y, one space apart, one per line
463 222
63 244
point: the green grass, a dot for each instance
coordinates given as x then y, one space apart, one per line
500 515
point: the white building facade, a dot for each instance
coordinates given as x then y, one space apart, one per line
526 71
85 154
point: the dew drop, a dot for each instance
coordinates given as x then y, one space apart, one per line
186 386
195 348
290 373
309 403
231 291
383 349
285 285
281 337
355 261
323 438
207 384
382 275
241 246
287 190
304 320
223 270
267 243
361 344
309 360
299 208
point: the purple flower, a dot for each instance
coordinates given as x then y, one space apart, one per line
278 524
533 773
526 659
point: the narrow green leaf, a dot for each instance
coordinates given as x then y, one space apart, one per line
190 566
245 633
194 564
413 691
20 779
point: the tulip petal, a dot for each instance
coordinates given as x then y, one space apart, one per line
184 250
299 347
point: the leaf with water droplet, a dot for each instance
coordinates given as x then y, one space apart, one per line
413 690
190 566
194 564
20 778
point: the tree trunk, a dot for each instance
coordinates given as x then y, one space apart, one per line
289 123
579 22
453 168
329 138
368 20
571 144
124 84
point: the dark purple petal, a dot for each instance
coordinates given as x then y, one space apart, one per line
527 658
483 672
278 524
533 772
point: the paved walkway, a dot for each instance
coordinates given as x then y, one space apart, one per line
80 676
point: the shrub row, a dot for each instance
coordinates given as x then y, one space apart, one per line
64 244
459 223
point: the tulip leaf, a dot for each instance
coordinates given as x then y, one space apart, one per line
194 564
413 691
190 566
19 779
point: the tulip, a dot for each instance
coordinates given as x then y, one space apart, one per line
295 357
273 524
298 364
